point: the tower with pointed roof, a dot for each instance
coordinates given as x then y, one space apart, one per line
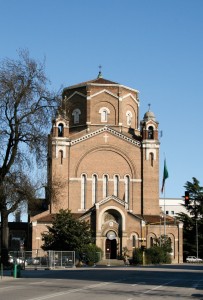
103 165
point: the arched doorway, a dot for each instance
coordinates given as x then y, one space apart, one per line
111 245
112 233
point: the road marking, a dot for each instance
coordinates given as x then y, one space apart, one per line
195 285
8 287
159 286
38 282
95 285
70 291
138 283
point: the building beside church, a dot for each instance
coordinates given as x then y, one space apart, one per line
103 165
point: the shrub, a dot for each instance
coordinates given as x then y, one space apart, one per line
157 255
137 257
90 254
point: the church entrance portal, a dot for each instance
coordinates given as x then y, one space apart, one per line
111 249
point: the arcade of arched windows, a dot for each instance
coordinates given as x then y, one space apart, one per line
116 184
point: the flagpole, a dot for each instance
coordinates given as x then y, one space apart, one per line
165 176
164 214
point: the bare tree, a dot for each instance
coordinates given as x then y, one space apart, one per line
26 108
15 189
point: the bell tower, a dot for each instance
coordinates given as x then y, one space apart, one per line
58 163
150 162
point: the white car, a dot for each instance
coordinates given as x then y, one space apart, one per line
193 259
17 260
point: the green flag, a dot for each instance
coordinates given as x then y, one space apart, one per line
165 176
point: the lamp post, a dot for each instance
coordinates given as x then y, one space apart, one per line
197 242
196 228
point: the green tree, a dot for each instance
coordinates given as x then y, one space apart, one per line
189 234
193 223
164 242
26 109
161 251
195 207
67 233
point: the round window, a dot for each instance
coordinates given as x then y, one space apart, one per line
111 235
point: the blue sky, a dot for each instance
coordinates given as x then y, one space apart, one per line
154 46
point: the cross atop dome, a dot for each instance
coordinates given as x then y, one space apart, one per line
149 106
100 73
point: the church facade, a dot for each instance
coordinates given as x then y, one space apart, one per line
103 165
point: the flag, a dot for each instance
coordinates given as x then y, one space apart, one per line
165 176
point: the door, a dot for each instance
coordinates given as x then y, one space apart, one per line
111 249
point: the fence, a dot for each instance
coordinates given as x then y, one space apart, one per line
38 259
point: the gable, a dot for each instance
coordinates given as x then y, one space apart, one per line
74 94
130 96
105 129
102 92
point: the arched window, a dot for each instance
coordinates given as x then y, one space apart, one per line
129 117
104 111
172 246
116 181
83 191
150 133
127 186
61 156
76 115
104 116
94 189
134 241
151 242
105 186
60 130
151 155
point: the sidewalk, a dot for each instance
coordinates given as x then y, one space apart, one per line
6 275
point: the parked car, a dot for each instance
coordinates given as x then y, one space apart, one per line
66 261
36 261
18 260
10 259
33 260
193 259
29 260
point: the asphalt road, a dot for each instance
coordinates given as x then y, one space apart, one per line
106 283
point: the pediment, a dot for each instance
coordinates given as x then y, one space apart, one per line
108 199
106 129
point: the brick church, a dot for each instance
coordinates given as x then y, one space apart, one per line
103 165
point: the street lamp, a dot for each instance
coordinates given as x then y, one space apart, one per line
197 242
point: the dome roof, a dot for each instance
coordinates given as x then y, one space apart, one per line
149 115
